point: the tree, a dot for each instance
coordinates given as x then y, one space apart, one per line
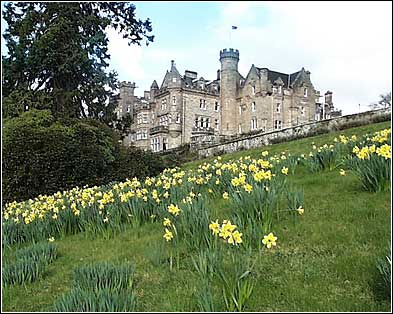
385 101
58 56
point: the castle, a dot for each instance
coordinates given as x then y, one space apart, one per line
186 109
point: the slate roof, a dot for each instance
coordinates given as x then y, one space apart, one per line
288 79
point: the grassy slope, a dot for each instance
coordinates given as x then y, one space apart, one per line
325 260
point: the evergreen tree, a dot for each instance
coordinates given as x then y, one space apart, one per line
58 56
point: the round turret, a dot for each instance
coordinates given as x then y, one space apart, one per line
229 59
229 78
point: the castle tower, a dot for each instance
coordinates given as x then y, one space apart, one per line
229 78
126 99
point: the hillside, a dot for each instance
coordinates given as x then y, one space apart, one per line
324 258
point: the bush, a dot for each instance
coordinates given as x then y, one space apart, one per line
42 155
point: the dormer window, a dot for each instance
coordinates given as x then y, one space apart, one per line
305 92
253 89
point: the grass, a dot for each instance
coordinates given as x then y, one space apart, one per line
325 260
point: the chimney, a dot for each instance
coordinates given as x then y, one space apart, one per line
218 74
172 64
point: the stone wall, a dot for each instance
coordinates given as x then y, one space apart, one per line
291 133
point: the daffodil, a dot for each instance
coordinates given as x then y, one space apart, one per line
214 227
269 240
300 210
173 209
284 170
51 239
168 235
167 222
342 172
225 195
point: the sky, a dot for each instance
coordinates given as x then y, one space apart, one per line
347 46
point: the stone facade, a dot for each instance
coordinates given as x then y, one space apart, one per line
187 109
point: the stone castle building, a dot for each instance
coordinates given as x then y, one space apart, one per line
186 109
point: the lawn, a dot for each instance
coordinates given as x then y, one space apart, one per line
325 260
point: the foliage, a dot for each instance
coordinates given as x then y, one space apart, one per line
42 155
58 56
78 300
30 264
384 265
385 101
100 287
104 276
47 252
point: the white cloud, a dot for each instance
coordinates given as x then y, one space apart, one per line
347 46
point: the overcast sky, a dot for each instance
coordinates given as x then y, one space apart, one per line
347 46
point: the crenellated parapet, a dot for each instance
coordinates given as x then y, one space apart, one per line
229 53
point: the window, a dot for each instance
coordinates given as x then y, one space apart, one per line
302 111
164 120
240 109
278 108
277 124
253 107
217 124
174 100
144 118
178 118
216 106
305 92
280 89
254 123
201 122
139 119
253 90
240 129
208 123
165 143
163 104
202 104
274 89
196 122
174 80
128 108
155 144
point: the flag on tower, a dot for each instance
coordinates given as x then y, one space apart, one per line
234 27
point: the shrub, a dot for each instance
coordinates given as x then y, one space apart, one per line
42 155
